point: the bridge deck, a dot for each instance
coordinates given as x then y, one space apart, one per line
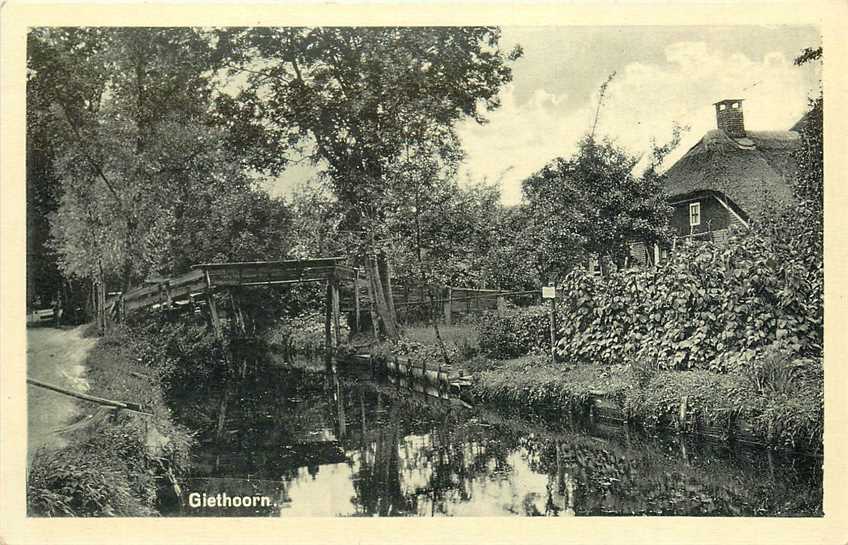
207 277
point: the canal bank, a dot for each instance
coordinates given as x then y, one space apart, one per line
105 461
785 413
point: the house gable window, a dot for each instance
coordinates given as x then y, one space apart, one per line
694 214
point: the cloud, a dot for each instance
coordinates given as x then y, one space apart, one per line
643 102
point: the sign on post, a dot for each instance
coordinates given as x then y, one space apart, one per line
549 292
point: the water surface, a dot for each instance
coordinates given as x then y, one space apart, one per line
319 444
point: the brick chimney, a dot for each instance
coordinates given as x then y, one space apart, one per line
729 117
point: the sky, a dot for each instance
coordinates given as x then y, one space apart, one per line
663 76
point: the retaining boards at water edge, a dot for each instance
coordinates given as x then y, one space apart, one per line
729 426
439 375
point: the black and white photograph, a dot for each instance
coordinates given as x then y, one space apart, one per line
424 271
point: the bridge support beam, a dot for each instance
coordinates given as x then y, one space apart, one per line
331 322
213 309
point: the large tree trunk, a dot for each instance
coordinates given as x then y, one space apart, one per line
100 300
385 269
386 318
435 321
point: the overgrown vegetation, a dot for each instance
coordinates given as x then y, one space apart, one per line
715 307
117 464
515 332
734 330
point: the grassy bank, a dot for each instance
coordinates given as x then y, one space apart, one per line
116 463
786 412
775 399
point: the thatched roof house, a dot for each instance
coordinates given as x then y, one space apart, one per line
731 175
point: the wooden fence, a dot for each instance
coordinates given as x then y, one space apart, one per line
450 304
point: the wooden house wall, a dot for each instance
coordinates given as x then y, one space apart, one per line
711 210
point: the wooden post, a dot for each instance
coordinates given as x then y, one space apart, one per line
334 292
99 400
552 320
213 308
448 306
329 349
656 254
681 417
356 299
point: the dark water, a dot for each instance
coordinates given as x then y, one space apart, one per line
310 443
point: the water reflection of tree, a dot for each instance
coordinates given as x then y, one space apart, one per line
378 489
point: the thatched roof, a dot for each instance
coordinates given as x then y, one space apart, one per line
752 172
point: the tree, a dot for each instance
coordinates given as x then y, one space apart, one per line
592 205
148 180
358 96
797 233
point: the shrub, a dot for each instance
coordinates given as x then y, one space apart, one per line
515 332
81 482
777 372
710 307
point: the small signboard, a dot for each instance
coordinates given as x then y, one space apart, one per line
548 292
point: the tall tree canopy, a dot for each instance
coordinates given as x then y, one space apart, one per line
359 96
146 179
591 204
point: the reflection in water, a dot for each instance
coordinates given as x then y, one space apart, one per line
324 445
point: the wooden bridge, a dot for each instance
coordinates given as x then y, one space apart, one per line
206 278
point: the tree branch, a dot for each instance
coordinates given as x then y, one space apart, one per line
98 169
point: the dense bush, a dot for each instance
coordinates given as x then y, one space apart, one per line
515 332
301 336
181 351
81 482
709 307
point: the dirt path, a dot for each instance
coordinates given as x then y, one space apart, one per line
55 356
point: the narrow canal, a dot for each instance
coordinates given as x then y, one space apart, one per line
317 444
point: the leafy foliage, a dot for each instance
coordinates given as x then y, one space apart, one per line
515 332
591 205
143 179
81 482
710 307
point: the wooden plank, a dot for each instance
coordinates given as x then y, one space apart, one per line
99 400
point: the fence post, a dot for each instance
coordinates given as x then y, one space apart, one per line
356 299
334 284
448 306
553 329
